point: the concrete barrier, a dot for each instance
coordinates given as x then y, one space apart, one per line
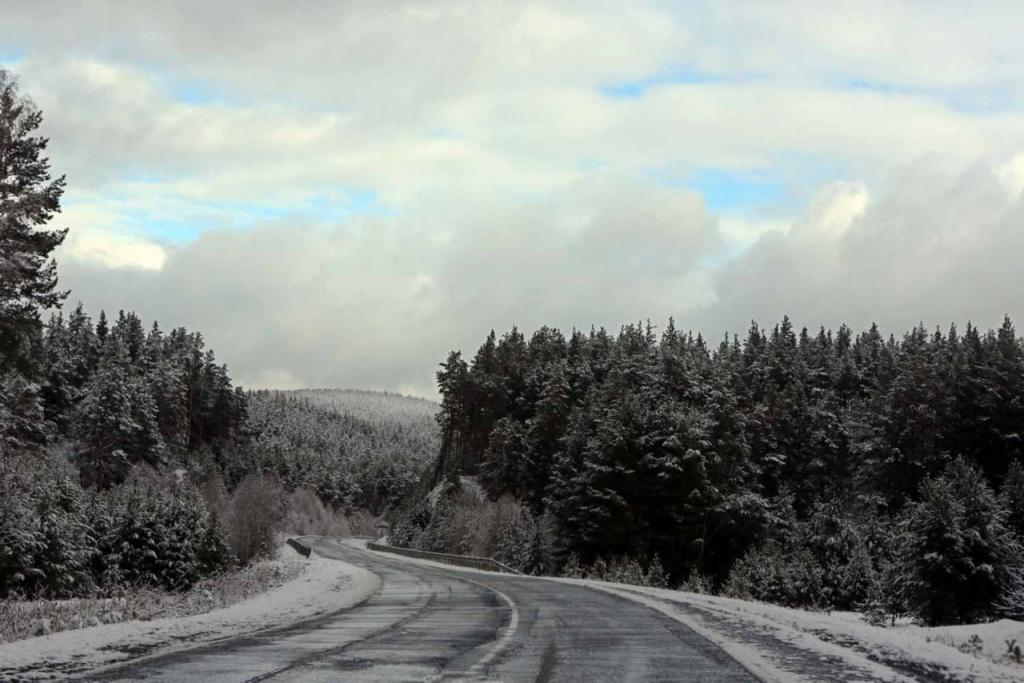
483 563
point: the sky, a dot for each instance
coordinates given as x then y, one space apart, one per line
338 193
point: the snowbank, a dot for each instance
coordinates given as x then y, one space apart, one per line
994 641
326 586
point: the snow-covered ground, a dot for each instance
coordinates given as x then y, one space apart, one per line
325 586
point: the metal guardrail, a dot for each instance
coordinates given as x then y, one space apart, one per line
300 547
470 561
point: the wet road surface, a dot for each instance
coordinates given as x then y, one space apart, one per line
432 624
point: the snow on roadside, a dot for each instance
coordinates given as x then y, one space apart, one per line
788 645
326 586
888 654
993 641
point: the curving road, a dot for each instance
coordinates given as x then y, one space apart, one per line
429 623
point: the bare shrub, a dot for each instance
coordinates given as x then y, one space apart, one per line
255 514
362 523
218 500
491 524
306 514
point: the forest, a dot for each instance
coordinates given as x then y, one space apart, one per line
827 469
127 456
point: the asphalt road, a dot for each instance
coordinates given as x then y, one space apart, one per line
428 624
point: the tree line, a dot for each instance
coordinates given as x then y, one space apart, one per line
826 469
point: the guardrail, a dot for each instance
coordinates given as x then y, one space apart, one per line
300 548
484 563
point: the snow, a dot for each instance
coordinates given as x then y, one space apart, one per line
326 586
470 486
789 645
775 643
994 637
892 654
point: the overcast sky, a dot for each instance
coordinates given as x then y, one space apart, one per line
336 194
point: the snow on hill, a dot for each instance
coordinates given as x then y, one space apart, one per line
372 406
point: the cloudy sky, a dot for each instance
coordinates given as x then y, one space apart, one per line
338 193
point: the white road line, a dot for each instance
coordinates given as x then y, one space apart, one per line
503 640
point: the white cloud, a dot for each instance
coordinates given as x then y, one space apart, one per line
517 191
1011 174
936 244
743 232
111 250
835 208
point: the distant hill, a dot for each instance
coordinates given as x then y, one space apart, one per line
372 406
355 449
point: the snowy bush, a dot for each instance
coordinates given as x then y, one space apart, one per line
157 533
572 569
696 583
625 570
784 576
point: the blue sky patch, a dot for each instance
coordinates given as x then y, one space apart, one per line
636 88
194 219
199 93
725 190
9 57
728 190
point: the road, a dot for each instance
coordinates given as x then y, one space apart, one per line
429 623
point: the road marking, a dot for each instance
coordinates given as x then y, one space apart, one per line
503 640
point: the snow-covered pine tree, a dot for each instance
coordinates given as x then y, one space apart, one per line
105 424
20 538
65 556
956 551
1011 498
29 198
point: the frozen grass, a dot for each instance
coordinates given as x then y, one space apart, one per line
26 618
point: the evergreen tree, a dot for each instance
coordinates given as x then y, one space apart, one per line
957 552
29 198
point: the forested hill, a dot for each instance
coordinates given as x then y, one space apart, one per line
794 466
355 449
377 407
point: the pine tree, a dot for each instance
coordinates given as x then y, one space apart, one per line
1011 498
29 198
105 419
20 538
66 553
957 553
